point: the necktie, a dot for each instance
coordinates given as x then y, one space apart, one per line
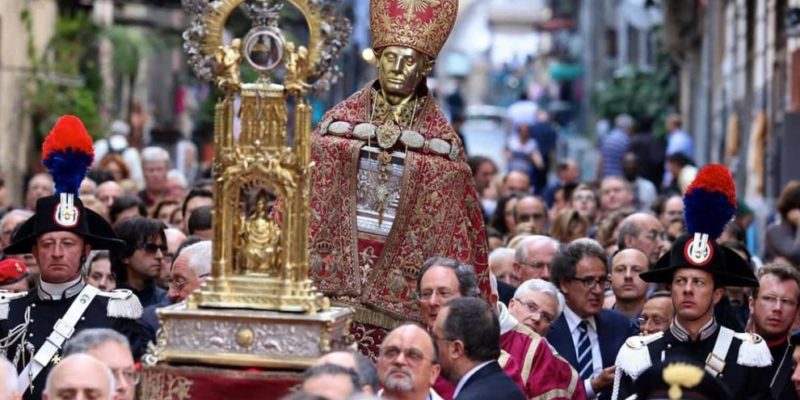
584 347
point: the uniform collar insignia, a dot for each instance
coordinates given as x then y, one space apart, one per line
58 291
682 335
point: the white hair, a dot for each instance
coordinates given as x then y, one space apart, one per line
112 385
9 376
623 121
500 253
179 176
154 154
120 127
199 255
541 285
17 212
521 253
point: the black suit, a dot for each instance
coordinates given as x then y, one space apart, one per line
780 372
490 382
612 330
505 292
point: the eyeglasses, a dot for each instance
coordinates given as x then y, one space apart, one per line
539 265
412 356
591 282
583 197
537 312
152 248
773 300
129 375
177 283
180 283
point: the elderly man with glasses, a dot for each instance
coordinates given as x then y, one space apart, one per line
532 257
537 304
585 334
527 357
111 349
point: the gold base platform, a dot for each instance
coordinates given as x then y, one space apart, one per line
260 292
248 338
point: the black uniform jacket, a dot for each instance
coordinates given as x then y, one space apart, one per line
45 313
746 383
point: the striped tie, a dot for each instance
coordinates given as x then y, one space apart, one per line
584 352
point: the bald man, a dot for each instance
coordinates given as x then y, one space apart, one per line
629 290
517 183
408 364
79 376
643 231
107 191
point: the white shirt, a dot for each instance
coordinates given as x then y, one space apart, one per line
573 320
507 321
466 376
432 395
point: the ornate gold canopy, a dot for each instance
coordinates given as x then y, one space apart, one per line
259 307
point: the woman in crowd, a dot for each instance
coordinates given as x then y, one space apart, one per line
97 270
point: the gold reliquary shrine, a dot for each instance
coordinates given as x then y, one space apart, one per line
259 308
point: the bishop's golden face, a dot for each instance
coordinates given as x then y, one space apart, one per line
400 71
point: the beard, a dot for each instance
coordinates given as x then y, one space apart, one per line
398 383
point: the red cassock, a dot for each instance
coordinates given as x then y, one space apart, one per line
526 354
434 211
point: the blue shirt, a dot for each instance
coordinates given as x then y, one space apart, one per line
613 150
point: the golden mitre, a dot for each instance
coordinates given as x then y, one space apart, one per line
423 25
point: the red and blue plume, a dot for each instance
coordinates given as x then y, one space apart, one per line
710 201
67 153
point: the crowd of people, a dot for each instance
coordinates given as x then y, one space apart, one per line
569 288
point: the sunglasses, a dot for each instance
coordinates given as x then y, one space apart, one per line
152 248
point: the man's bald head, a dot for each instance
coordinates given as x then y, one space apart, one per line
79 374
517 182
107 191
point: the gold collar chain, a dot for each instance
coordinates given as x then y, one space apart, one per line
401 114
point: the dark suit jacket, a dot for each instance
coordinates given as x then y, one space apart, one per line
490 382
612 330
505 292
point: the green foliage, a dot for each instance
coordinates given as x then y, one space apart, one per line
66 79
647 96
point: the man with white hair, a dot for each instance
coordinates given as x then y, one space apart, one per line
190 269
155 165
79 376
112 349
501 263
533 256
8 381
537 304
175 237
